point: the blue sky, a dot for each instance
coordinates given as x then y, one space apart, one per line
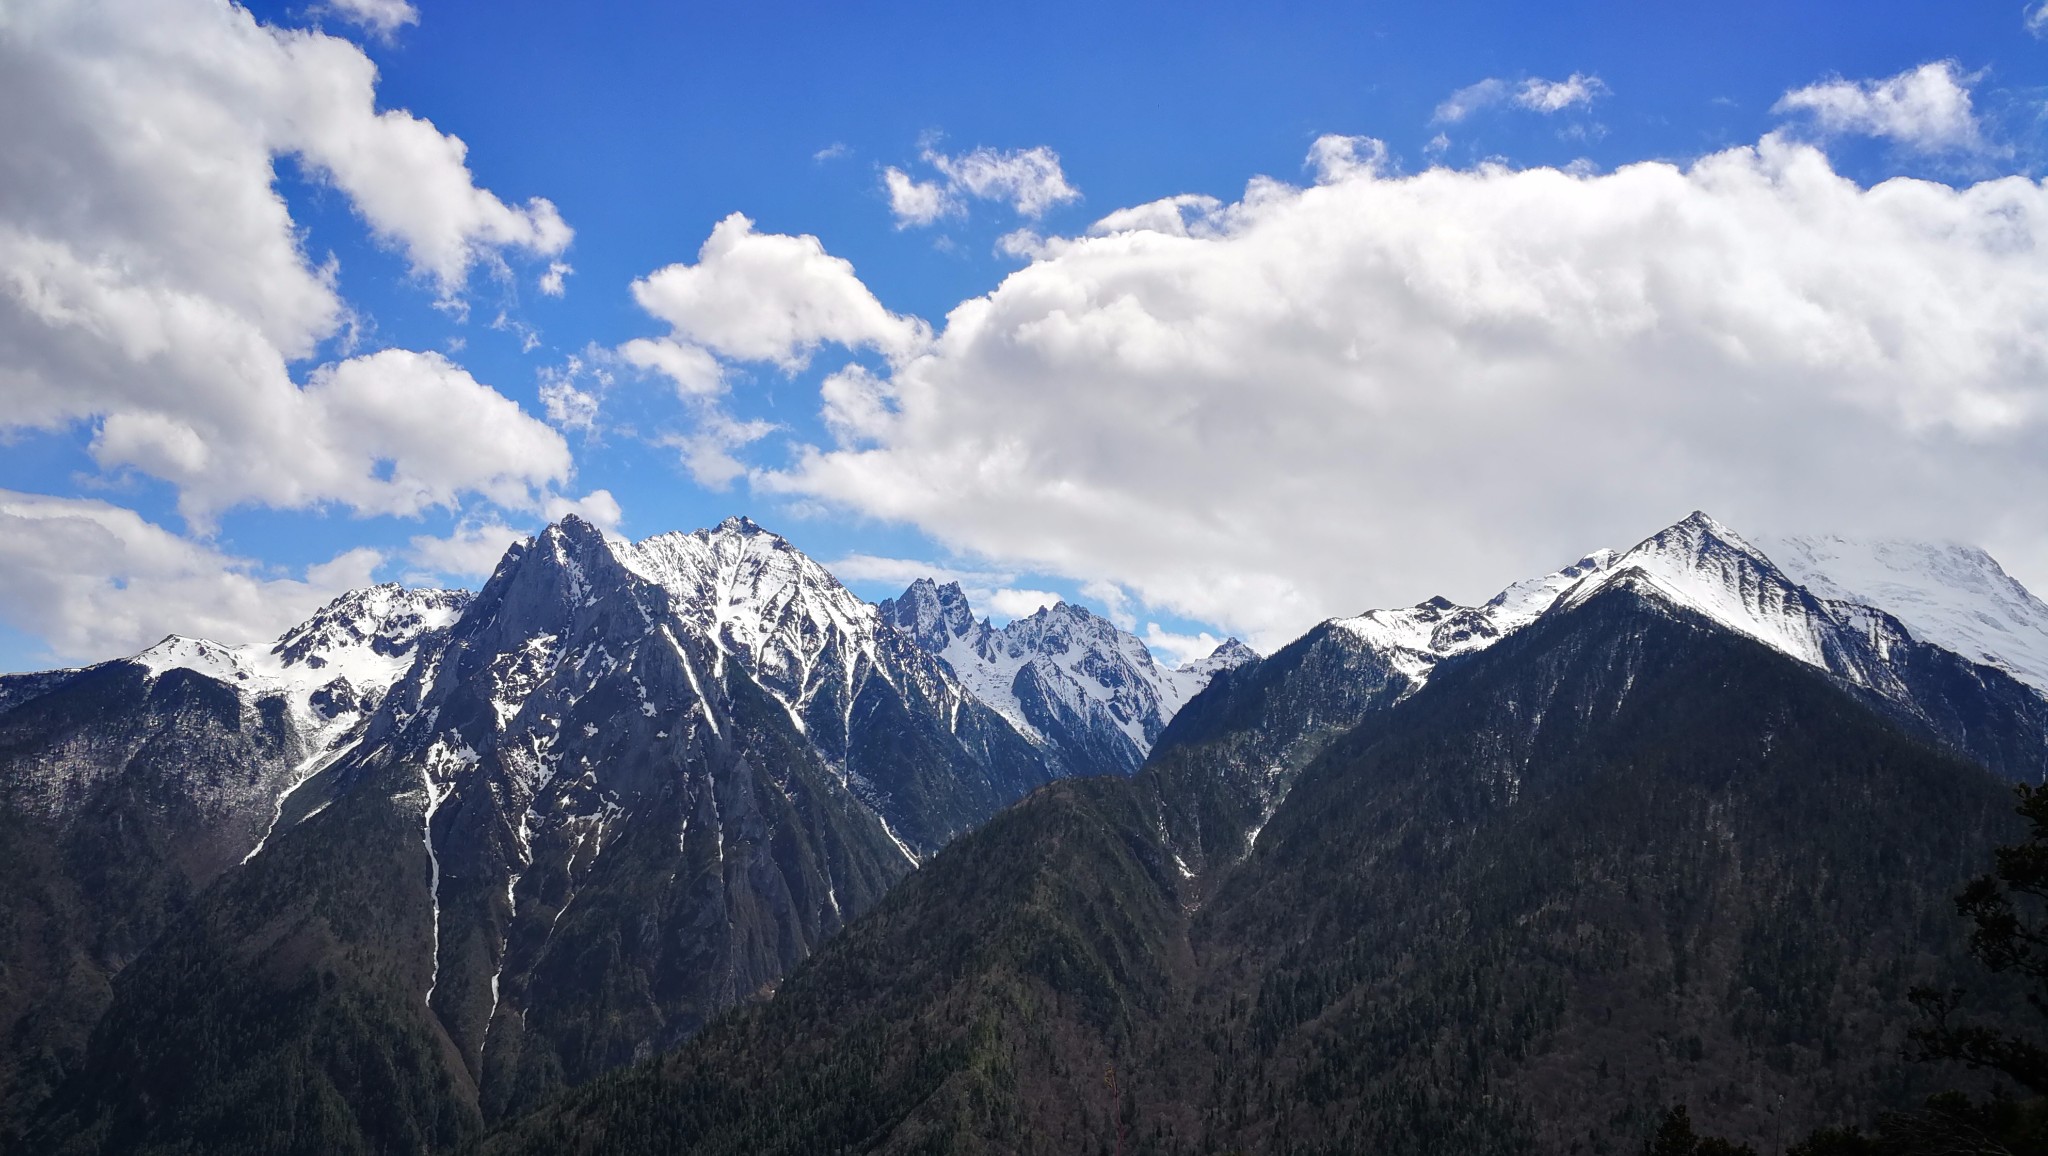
645 126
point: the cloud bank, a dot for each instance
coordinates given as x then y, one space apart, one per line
1375 388
95 580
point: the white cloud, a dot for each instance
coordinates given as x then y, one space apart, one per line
567 404
152 280
568 407
370 432
1169 215
916 202
1533 93
1336 158
904 571
761 297
472 550
2037 19
1013 603
1179 649
707 450
1926 108
1029 180
597 507
1384 387
96 581
383 17
690 368
1549 96
552 282
1470 99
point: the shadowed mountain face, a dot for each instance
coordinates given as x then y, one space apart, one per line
1623 857
636 785
132 785
1507 877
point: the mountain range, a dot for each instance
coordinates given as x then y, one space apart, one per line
601 854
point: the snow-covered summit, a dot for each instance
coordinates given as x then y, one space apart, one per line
1839 605
333 667
1063 675
757 596
1952 595
1228 655
1706 567
386 620
1415 638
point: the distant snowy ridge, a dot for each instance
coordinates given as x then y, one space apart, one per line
1063 676
1836 604
333 668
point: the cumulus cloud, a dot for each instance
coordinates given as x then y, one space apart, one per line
95 581
1334 158
1029 180
153 282
371 432
761 297
382 17
1383 387
569 407
915 202
1179 649
553 282
597 507
1548 96
1926 109
471 550
1167 215
2037 19
707 450
1009 602
1534 94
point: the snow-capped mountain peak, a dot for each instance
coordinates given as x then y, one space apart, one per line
339 661
1228 655
1952 595
749 589
1704 566
1414 639
1066 677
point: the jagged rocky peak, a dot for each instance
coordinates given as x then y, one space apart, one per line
931 614
338 662
1229 654
1067 678
386 619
